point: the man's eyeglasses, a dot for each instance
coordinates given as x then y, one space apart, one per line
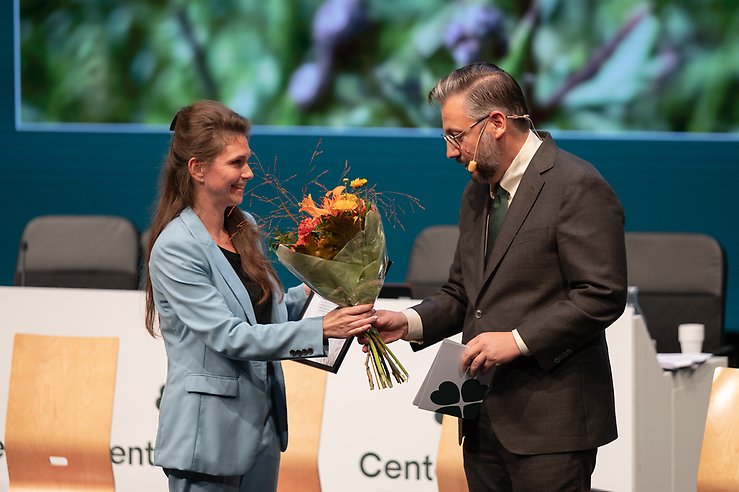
455 139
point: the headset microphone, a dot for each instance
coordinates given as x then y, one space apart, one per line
472 165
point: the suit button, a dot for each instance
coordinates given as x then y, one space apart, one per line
557 360
292 352
310 351
478 314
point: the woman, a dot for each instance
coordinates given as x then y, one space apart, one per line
222 314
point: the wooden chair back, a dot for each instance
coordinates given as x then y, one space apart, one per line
60 411
718 469
450 476
306 390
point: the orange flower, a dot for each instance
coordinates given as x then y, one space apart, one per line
309 206
332 196
330 199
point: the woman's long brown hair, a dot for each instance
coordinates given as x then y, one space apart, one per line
202 130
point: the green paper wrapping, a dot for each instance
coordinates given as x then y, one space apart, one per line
354 276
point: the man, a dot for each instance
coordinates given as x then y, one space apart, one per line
532 289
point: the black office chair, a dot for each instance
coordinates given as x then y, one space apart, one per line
430 259
428 266
85 251
681 279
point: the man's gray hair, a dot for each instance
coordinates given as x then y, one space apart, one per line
486 87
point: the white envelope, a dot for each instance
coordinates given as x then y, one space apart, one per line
447 389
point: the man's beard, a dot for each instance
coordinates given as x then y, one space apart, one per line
488 160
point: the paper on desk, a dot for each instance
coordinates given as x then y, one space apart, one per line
673 362
447 389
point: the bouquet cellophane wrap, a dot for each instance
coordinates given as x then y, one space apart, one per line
354 276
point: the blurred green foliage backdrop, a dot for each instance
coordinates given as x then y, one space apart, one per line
585 64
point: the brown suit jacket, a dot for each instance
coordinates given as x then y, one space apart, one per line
557 273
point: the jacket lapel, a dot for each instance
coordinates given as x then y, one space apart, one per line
524 199
192 221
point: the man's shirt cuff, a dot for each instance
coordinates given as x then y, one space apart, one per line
415 326
519 341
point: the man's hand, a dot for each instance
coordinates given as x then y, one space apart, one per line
391 325
489 349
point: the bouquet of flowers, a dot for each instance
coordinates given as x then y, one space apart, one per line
339 251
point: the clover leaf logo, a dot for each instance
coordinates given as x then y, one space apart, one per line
448 394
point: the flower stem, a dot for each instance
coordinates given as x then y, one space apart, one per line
375 337
381 363
369 372
378 366
384 346
399 377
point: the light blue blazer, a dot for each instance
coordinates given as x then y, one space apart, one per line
218 395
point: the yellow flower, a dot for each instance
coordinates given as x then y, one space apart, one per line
358 183
346 202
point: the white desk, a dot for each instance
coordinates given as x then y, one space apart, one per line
660 415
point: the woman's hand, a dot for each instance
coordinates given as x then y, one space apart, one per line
349 321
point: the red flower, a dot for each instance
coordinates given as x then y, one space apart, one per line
306 227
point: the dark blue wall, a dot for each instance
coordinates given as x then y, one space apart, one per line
666 183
